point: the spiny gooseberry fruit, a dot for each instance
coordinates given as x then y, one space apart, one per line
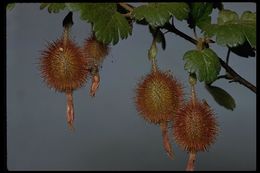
95 50
158 97
63 67
194 126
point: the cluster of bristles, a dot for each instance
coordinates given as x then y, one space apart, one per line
160 99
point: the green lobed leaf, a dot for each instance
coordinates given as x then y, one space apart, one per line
178 9
231 30
248 21
152 13
204 63
230 34
221 97
10 6
108 24
157 14
226 17
93 11
200 14
53 7
113 28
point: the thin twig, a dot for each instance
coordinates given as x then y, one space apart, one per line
172 29
236 77
228 54
195 33
224 77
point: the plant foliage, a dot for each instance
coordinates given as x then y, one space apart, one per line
204 63
232 31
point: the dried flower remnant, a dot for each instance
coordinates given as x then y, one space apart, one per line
95 80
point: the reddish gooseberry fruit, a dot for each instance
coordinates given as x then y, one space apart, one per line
158 97
95 50
64 68
195 127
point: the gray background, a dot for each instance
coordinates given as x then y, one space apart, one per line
110 135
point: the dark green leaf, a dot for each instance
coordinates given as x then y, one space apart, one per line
204 63
178 9
230 34
221 97
43 5
113 28
152 13
232 31
157 14
10 6
244 50
200 14
108 24
53 7
248 22
93 11
75 6
227 17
